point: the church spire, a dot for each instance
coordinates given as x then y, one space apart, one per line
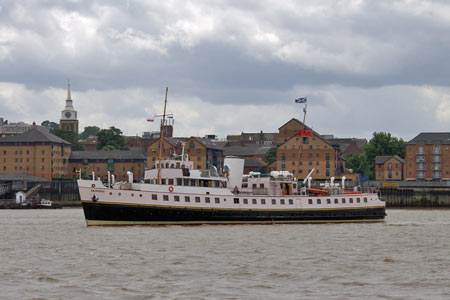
69 97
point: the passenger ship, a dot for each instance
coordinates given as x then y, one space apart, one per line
187 196
175 193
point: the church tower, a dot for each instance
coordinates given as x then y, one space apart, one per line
69 121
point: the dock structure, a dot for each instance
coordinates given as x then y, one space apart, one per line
5 188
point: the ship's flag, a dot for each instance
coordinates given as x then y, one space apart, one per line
150 120
300 100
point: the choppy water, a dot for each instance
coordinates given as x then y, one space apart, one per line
51 254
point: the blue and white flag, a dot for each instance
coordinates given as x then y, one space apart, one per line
300 100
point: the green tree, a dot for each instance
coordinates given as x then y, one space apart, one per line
89 130
71 137
271 155
52 126
113 137
108 148
382 143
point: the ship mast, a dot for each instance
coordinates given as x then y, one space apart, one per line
162 136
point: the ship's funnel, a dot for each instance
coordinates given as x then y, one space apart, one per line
234 170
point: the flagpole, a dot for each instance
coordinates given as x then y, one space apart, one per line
304 115
162 138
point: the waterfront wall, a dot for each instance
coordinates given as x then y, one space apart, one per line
418 197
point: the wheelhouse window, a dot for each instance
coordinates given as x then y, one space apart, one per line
154 197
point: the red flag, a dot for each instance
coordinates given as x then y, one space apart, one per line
150 120
305 133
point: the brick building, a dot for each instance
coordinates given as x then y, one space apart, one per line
300 154
428 157
389 167
36 152
204 153
118 162
171 147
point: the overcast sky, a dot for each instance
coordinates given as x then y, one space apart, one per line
230 66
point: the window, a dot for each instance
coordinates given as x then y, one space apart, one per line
132 195
171 181
336 201
120 194
309 201
319 201
197 199
166 197
351 200
263 201
305 140
253 201
245 201
282 201
343 200
291 202
274 201
217 200
261 185
365 199
328 201
236 200
176 198
358 200
207 200
154 197
187 199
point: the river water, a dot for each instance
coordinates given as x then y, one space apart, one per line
51 254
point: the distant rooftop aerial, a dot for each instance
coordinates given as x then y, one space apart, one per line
379 160
431 138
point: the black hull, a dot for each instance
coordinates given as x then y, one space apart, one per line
119 214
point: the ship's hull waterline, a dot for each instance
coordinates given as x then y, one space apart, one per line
109 214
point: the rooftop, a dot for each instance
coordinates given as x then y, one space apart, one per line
431 138
35 135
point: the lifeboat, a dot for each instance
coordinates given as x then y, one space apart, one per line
317 192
